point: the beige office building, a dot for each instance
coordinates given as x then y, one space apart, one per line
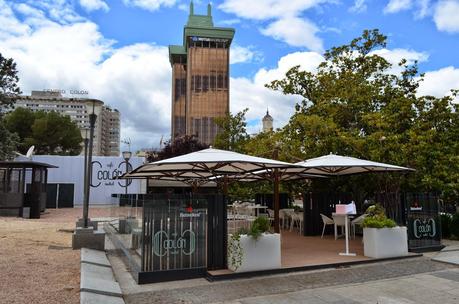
107 128
200 77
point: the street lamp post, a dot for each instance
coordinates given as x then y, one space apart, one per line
85 177
127 156
92 122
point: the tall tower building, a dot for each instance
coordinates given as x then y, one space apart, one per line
267 122
200 77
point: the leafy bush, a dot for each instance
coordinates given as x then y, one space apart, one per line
445 219
376 222
260 225
454 225
235 253
376 218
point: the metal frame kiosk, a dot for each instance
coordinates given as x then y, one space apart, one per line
23 185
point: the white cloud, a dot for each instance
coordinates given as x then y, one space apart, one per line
94 5
439 83
253 93
285 21
268 9
150 5
134 79
446 16
240 54
424 8
295 31
358 7
230 22
394 56
10 26
395 6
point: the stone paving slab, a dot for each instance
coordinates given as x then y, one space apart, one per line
281 284
100 286
97 272
403 290
451 248
96 257
450 256
92 298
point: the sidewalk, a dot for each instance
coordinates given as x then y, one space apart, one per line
449 254
437 287
273 289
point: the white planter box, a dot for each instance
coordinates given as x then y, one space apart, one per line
385 242
261 254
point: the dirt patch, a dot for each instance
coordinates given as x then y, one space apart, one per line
37 263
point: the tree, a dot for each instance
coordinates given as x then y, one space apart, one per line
179 146
20 121
50 133
233 132
354 105
9 90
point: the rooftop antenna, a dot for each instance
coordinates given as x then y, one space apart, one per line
127 142
161 142
191 8
209 10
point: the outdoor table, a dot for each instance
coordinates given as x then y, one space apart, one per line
257 208
346 232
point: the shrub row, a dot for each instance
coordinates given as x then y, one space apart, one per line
450 225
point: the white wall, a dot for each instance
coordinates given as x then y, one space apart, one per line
71 170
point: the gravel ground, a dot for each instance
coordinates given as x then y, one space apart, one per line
37 263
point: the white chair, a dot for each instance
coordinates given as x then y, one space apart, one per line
339 221
327 221
357 221
288 217
298 219
271 215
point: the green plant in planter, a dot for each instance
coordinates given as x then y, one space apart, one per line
376 218
260 225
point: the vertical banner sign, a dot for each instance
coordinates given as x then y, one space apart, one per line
175 232
423 222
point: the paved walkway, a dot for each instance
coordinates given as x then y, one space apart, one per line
417 278
438 287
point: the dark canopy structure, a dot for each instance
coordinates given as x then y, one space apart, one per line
23 184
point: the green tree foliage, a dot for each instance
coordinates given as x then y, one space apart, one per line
9 90
9 79
233 132
179 146
356 105
20 121
50 133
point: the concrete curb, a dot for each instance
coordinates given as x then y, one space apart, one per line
98 283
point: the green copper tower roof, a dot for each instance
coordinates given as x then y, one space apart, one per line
199 26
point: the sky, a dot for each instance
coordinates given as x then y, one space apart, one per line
117 49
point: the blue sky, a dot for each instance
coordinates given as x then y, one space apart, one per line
117 49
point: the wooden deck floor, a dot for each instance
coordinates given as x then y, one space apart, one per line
298 250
